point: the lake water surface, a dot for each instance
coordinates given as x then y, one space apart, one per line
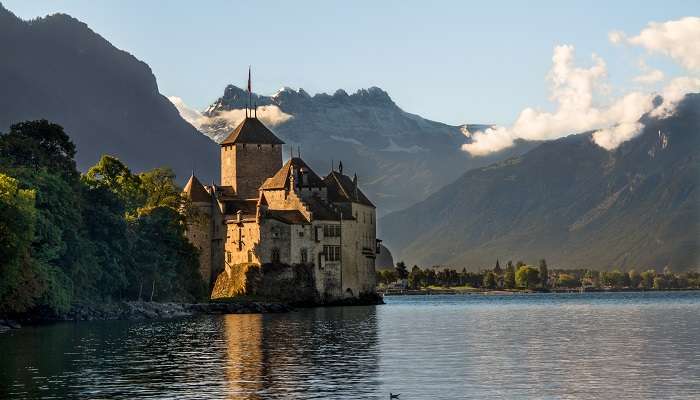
541 346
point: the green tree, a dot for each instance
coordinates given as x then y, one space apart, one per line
489 280
647 279
543 273
568 280
509 276
39 145
527 277
660 282
111 174
401 270
19 283
160 189
415 278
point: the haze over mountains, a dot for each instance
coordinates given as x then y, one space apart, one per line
571 202
400 157
107 100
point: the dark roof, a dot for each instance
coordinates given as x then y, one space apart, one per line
194 190
321 210
294 217
342 189
281 179
251 130
248 208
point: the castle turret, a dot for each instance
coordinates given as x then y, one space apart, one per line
249 155
199 224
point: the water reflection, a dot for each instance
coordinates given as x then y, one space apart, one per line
318 353
622 346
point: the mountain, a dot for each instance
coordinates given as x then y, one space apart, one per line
107 100
571 202
400 158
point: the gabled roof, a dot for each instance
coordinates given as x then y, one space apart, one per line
252 131
282 178
342 189
194 190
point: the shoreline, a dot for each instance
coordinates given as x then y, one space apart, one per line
513 292
146 310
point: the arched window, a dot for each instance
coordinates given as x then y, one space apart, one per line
275 255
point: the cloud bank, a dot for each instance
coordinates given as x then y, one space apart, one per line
270 115
582 95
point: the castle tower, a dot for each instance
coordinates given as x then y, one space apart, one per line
199 224
249 155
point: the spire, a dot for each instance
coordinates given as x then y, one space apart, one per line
354 184
250 88
340 168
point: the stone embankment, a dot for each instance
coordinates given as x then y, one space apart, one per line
136 310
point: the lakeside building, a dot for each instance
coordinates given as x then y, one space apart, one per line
270 223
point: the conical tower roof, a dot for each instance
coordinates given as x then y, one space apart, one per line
251 131
195 191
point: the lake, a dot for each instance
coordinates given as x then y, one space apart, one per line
535 346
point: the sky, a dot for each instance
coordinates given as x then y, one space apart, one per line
454 62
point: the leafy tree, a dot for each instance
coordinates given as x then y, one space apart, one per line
543 273
527 276
415 278
568 280
19 284
660 282
490 280
647 279
39 145
111 174
160 189
509 276
401 270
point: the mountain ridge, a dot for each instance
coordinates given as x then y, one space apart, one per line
569 201
108 101
400 157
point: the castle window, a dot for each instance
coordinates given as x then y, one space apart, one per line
331 230
304 256
275 255
301 233
332 253
228 257
250 256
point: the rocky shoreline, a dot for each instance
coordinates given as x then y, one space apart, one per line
141 310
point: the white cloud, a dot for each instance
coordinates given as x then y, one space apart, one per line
270 115
674 92
573 89
649 75
616 37
194 117
582 95
679 39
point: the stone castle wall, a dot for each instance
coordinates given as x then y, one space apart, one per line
199 233
279 282
246 166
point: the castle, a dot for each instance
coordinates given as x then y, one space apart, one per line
269 227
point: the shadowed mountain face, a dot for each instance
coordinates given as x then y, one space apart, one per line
108 101
400 158
571 202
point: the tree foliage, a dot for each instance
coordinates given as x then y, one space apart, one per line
101 237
